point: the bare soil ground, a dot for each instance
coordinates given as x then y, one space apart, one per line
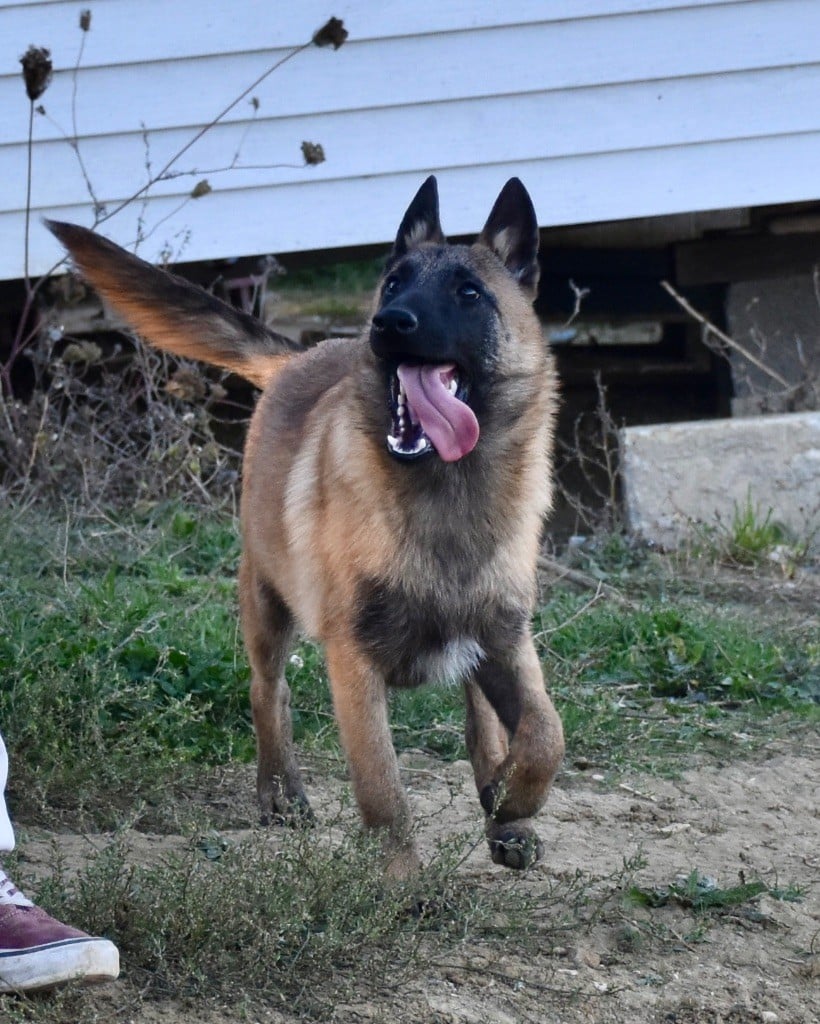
615 962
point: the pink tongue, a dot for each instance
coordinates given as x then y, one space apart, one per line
449 423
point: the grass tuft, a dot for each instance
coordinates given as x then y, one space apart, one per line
754 539
300 919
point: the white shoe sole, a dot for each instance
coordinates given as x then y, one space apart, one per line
86 960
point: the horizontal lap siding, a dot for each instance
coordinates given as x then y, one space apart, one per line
173 29
670 108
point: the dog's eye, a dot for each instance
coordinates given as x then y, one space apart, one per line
469 292
390 285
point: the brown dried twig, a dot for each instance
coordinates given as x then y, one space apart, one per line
724 338
37 75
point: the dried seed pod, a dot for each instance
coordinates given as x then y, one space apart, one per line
37 71
313 152
332 33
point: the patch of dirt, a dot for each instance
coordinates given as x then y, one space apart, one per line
754 963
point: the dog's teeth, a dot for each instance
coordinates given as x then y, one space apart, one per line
398 444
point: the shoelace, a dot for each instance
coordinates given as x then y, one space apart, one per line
9 893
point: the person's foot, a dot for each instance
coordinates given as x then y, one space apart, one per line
37 951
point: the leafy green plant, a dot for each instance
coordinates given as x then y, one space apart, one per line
703 895
753 539
119 656
641 684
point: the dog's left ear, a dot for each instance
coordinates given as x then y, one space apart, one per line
421 222
511 232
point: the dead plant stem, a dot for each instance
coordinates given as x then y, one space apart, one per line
576 615
36 441
29 156
582 580
205 128
722 336
74 141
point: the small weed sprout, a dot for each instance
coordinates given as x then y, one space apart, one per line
753 539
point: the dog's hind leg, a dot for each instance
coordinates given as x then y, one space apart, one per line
268 628
360 701
516 745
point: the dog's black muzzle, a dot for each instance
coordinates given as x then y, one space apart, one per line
396 335
395 321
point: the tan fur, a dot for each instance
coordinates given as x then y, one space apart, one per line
328 515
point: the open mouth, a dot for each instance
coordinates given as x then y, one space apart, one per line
429 413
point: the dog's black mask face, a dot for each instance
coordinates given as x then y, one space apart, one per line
437 329
435 333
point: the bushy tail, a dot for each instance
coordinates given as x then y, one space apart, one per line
174 314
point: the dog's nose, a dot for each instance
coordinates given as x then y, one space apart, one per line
395 320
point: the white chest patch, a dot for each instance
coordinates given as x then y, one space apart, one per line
456 659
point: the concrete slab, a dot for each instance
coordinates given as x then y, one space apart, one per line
679 475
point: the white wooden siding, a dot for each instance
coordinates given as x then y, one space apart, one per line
607 109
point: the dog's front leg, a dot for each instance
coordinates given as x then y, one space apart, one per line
516 745
360 701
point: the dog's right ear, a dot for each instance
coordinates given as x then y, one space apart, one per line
421 222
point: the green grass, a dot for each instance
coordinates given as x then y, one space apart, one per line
353 276
753 538
649 685
336 291
122 668
120 659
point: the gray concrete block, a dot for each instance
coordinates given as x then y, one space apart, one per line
682 474
778 321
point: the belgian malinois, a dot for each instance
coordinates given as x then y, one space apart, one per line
393 495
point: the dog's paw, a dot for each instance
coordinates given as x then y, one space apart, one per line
402 863
514 845
297 813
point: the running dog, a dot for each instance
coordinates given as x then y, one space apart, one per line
394 488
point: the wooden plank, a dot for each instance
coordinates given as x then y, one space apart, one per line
598 51
256 24
360 211
680 112
746 258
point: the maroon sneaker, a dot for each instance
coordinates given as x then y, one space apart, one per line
36 951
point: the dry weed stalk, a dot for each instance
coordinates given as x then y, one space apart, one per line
52 441
593 454
106 432
799 394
